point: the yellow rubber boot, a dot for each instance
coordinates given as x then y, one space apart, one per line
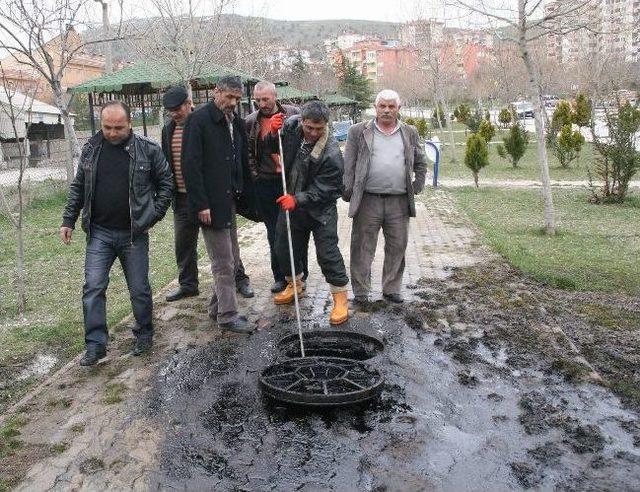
340 311
286 296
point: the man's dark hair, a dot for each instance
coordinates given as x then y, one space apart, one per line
229 83
120 104
315 111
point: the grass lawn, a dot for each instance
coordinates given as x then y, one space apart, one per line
502 169
54 286
597 246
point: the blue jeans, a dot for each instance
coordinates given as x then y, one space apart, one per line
103 247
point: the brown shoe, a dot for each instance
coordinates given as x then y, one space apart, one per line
340 311
286 296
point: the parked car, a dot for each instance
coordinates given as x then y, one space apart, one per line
523 109
340 129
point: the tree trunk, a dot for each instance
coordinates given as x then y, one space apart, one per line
69 130
20 273
475 179
536 95
451 139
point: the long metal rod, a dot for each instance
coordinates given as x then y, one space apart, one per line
293 266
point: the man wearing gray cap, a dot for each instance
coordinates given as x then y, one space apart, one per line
179 106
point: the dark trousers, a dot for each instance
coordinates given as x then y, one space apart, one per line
103 247
391 214
186 243
325 237
267 192
186 246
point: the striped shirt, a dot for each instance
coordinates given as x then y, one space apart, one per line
176 151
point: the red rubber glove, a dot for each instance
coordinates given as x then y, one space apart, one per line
287 202
277 121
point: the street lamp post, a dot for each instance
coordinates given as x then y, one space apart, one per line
108 54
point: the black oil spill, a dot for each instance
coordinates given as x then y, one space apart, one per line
457 408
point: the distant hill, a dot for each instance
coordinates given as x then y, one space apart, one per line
307 35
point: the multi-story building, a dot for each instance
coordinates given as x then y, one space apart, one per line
422 32
610 28
343 42
376 59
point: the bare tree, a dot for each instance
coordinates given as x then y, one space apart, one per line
40 34
184 35
530 23
17 111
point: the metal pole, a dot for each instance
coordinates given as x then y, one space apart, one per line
293 266
106 26
144 116
93 117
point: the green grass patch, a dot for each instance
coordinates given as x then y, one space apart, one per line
55 275
59 447
8 434
501 169
113 393
597 246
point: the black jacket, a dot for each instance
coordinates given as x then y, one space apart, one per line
208 166
319 185
165 139
150 184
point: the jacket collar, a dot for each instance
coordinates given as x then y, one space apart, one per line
318 148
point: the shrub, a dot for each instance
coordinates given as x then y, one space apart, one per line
619 161
409 121
486 130
476 155
568 145
582 110
462 112
422 126
514 144
438 117
504 117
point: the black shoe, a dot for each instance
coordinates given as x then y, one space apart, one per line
181 293
395 298
361 300
245 291
91 357
142 346
238 325
278 286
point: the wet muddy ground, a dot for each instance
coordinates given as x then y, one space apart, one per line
493 382
483 391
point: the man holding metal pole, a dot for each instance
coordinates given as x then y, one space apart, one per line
313 166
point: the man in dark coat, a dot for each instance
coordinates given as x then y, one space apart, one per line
123 186
214 157
178 104
313 165
265 168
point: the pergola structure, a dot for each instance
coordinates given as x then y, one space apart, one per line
141 85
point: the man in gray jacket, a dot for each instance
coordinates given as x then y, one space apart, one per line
384 167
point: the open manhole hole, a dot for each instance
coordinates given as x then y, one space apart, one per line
342 344
321 381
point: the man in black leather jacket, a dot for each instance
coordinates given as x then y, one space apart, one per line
123 186
313 165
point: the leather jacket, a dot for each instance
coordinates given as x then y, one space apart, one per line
150 184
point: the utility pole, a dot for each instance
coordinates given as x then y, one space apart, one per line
108 53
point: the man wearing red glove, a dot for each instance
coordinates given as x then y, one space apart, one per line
313 165
265 167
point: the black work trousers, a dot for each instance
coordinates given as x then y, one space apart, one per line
325 237
267 192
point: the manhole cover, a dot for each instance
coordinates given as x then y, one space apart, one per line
321 381
342 344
